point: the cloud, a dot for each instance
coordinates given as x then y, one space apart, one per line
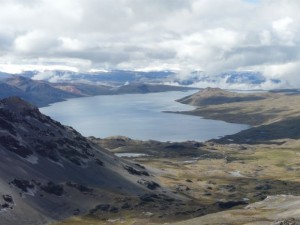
287 71
283 29
34 42
213 36
52 76
69 44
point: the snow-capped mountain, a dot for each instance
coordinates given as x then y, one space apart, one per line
227 80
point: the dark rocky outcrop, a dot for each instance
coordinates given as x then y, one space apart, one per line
23 185
149 184
53 172
134 171
231 204
52 188
79 187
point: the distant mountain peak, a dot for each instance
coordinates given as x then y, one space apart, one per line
213 91
15 107
17 79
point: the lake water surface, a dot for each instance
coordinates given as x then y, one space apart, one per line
138 116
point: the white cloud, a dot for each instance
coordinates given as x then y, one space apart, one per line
286 71
265 37
52 76
283 29
33 42
188 35
69 44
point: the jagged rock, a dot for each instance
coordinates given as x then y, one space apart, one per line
24 185
7 198
101 207
126 205
134 171
79 187
290 221
263 187
230 204
52 188
149 184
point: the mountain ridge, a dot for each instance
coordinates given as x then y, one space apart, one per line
217 96
56 171
120 77
43 93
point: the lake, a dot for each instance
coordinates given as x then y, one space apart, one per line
138 116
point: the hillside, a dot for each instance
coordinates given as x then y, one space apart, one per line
225 176
148 88
40 93
254 109
43 93
274 210
7 90
217 96
273 115
50 172
132 88
83 89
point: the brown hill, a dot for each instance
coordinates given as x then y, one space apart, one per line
216 96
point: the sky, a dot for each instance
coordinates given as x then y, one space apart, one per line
181 35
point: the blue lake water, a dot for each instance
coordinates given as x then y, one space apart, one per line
138 116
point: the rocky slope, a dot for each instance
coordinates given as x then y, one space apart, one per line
83 89
132 88
49 171
274 210
43 93
40 93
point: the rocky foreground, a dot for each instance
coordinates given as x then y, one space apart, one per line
49 172
228 177
274 210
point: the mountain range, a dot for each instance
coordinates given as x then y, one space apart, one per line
50 172
229 80
43 93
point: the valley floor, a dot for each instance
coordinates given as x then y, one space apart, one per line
225 177
216 176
